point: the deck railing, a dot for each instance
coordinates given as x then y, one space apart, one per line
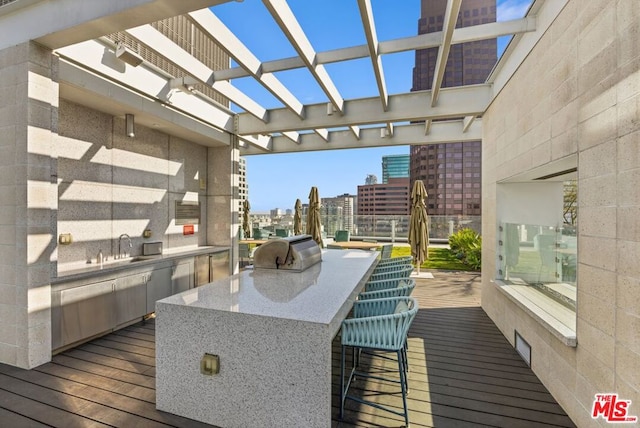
393 228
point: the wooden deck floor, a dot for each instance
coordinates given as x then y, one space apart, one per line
463 373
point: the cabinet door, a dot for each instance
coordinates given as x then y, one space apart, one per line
158 287
182 278
84 312
219 265
131 297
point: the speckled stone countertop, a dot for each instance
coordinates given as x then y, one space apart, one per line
114 265
314 295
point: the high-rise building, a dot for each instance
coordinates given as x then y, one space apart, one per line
338 212
395 166
371 179
243 186
380 204
452 172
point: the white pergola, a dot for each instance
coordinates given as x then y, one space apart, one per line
91 73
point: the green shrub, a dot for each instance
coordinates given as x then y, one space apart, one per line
466 245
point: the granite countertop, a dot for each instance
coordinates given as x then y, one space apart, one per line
314 295
116 265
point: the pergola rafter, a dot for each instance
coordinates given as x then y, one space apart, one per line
450 18
214 28
366 15
289 25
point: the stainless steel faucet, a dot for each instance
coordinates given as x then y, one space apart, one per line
120 252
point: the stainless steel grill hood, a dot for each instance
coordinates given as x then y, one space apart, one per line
295 253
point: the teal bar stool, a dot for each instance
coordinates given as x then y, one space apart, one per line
385 289
390 268
383 284
385 251
402 260
403 272
377 325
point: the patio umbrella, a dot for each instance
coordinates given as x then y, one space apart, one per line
245 218
419 225
313 216
297 218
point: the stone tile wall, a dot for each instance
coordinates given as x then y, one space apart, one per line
111 184
578 92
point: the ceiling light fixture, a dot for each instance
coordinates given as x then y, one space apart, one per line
127 55
129 124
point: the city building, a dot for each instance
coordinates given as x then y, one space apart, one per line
275 213
452 172
371 179
243 185
394 166
380 204
339 212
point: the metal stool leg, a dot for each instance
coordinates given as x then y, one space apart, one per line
404 385
342 391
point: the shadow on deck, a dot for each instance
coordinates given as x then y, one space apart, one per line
463 373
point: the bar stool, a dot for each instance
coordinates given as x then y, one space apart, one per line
389 288
377 325
398 272
401 260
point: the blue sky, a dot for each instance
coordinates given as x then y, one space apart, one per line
275 181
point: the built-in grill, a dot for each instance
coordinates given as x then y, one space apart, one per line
295 253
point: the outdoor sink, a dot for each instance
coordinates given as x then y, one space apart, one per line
140 258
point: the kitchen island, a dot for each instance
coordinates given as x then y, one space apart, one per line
271 331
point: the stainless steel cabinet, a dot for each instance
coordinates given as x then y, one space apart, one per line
131 297
182 276
158 287
82 312
212 266
219 265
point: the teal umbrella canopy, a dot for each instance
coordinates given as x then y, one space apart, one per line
313 217
419 225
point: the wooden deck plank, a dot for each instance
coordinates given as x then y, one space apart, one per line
52 407
108 351
102 370
463 373
14 420
101 382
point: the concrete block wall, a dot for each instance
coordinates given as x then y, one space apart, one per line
578 92
110 184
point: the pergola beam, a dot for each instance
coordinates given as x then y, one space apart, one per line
413 106
442 132
366 14
450 18
211 25
289 25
